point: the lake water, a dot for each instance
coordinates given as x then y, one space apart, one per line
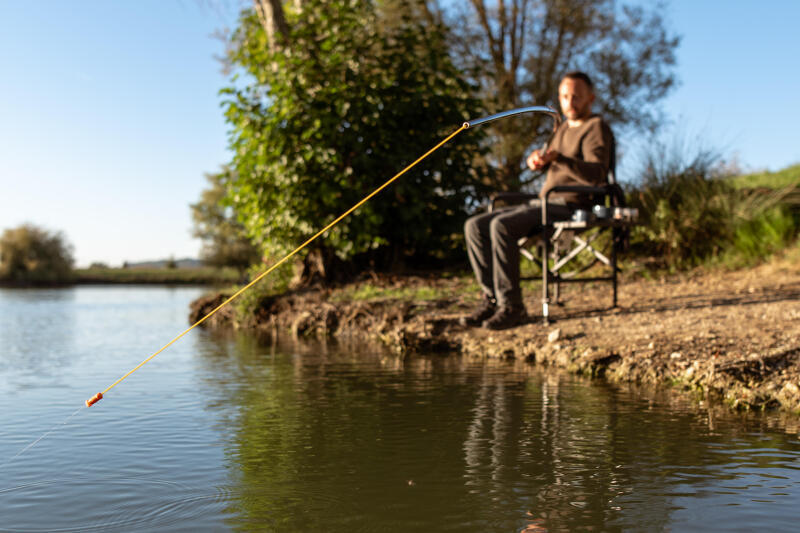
224 433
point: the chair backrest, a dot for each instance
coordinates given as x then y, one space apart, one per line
621 235
617 195
612 161
611 177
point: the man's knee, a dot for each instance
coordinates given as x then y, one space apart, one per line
471 227
498 229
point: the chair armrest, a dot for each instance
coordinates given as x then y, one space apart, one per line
585 189
604 190
510 198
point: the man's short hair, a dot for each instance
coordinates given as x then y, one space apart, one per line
578 75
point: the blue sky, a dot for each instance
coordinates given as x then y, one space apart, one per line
739 77
109 117
109 113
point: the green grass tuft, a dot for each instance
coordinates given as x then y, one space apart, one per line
787 177
369 292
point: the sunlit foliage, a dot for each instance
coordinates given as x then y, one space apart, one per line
336 107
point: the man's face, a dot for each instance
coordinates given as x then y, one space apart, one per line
575 98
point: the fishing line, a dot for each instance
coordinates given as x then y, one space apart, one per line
532 109
99 396
35 442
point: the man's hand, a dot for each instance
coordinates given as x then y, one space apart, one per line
537 160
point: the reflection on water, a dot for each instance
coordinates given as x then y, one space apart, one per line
48 320
228 433
128 504
337 441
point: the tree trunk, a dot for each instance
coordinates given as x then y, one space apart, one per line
273 19
321 266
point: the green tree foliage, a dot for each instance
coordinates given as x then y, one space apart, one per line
337 105
31 255
522 48
225 242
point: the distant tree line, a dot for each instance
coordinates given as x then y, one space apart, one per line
30 255
225 242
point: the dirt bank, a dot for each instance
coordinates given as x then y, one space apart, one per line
728 335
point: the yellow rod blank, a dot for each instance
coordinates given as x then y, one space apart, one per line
100 395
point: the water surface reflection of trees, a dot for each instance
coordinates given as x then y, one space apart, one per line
344 440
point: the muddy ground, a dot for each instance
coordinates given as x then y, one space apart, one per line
719 335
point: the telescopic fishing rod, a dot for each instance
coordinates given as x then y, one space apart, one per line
466 125
519 111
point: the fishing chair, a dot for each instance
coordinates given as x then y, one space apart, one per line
566 249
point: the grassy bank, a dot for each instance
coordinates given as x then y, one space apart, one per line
730 336
172 276
787 177
693 213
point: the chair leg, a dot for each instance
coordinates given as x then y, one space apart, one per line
557 293
545 280
614 238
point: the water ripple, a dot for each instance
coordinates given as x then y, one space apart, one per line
111 504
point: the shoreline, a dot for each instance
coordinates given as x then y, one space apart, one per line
728 336
133 276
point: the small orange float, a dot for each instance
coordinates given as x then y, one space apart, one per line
94 399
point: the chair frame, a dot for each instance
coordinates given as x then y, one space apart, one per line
610 195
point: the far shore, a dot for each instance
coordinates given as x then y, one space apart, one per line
138 276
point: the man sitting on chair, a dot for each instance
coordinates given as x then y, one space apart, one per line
579 154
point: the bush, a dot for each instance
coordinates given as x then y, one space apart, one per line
31 255
691 212
683 209
762 236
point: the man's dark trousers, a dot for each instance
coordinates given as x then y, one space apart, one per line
493 251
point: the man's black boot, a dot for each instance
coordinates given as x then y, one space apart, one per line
506 317
487 308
